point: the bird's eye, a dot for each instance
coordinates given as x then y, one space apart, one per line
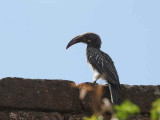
89 41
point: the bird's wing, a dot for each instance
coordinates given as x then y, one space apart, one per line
103 63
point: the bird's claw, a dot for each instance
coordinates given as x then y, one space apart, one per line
106 84
94 82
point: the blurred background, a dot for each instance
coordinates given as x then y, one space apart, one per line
34 35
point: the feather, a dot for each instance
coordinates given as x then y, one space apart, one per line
103 63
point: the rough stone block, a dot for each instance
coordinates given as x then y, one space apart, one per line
74 116
41 95
141 95
22 115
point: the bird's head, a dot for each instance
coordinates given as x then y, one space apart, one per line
91 39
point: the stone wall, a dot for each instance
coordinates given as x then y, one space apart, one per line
36 99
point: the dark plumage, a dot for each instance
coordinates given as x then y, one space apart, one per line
100 62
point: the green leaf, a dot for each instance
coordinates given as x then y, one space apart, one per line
155 111
93 117
126 109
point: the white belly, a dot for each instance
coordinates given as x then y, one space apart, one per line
96 74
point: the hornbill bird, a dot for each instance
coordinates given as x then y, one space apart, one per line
100 62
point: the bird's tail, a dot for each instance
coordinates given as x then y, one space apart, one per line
114 94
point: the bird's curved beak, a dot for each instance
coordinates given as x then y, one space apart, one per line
75 40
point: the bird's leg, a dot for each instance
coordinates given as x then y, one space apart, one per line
96 77
96 74
95 81
107 84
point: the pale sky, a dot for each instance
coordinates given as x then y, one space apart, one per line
34 35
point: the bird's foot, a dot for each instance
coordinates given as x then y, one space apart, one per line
106 84
94 82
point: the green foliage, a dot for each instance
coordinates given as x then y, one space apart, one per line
155 111
93 117
126 109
